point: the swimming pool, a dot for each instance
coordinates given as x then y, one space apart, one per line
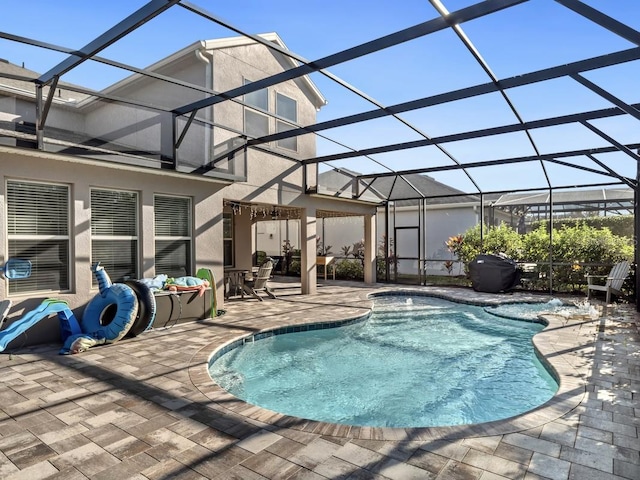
414 362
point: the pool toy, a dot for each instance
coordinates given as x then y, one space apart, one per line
207 274
111 313
16 269
50 306
146 308
107 317
186 284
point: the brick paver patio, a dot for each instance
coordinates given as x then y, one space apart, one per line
145 408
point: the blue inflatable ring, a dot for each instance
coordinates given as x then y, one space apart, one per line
111 313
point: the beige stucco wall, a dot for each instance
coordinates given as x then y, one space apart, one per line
81 176
270 179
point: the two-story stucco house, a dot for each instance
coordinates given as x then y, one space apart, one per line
119 177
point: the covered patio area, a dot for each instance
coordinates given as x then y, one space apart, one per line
303 230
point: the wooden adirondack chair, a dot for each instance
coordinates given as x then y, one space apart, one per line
614 281
259 281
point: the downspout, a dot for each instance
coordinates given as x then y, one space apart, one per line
202 54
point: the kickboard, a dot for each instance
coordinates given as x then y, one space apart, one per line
207 274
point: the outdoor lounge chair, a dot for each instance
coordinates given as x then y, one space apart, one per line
614 282
259 281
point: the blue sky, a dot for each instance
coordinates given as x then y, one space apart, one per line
534 35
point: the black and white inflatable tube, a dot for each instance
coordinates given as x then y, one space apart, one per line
146 308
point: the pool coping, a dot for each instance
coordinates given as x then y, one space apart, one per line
548 344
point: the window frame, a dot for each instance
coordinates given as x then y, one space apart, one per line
96 238
291 122
188 267
255 109
65 270
228 216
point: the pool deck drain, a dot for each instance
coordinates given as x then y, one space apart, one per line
146 408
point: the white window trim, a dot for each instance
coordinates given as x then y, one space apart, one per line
136 237
190 228
287 121
9 237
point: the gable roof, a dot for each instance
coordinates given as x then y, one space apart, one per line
404 189
317 99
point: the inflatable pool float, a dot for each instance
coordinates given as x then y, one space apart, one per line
112 311
187 284
107 317
146 308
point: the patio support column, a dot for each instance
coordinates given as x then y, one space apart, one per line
370 249
308 230
244 240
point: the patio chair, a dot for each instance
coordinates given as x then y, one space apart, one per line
614 281
259 281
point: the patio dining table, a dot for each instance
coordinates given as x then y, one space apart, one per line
234 281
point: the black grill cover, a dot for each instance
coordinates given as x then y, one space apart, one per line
493 274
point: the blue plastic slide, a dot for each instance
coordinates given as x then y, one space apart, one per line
47 308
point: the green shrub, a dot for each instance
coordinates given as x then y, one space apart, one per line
620 225
578 249
381 268
500 239
294 267
350 270
535 245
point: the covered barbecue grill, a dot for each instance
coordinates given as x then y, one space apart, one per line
493 274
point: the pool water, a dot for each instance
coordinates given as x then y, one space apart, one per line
415 362
531 311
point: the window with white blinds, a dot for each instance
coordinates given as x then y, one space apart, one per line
38 231
114 233
173 235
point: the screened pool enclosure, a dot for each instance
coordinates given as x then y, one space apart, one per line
443 114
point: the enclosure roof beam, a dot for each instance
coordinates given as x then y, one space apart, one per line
468 92
431 26
115 33
437 4
611 171
283 51
98 59
552 157
612 141
486 132
625 180
603 20
625 107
